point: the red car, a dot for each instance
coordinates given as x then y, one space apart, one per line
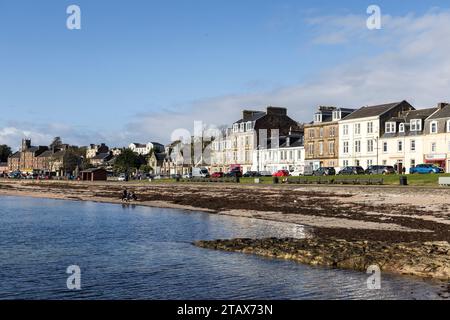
281 173
217 175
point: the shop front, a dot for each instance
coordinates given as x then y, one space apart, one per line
439 160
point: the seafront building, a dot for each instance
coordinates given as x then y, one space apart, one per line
402 144
360 133
437 137
249 134
322 137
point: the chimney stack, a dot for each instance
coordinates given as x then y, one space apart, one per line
276 111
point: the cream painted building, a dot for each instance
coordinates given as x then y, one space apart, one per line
403 142
437 138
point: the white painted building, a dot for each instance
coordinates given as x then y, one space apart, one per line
403 142
360 133
288 154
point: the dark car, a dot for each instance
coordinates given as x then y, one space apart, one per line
380 170
251 174
352 170
234 173
325 171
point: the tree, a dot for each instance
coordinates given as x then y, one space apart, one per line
5 152
127 161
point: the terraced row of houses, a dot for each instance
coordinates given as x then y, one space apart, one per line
395 134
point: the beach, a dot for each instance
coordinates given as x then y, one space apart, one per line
403 230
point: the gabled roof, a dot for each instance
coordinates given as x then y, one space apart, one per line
372 111
45 154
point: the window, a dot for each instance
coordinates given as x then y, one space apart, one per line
390 127
321 132
401 128
242 128
235 127
345 163
416 125
357 146
358 128
399 146
332 131
385 147
337 115
318 117
433 147
370 127
331 147
448 125
321 148
248 126
369 145
311 149
413 145
345 130
345 146
384 162
311 133
433 127
369 163
357 162
413 163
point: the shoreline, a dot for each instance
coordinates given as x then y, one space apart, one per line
344 222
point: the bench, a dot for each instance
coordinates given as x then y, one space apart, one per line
444 181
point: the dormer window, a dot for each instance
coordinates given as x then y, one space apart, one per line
448 125
433 127
337 115
235 127
248 126
242 127
416 125
390 127
318 117
401 128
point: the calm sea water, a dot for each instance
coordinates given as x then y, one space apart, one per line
146 253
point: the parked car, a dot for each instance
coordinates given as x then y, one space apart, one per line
380 170
235 172
265 173
308 170
281 173
15 175
251 174
175 176
325 171
187 176
217 175
352 170
122 177
426 168
200 173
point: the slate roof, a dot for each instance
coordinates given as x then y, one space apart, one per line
372 111
443 113
256 116
413 114
101 156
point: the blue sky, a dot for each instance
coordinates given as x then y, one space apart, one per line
138 69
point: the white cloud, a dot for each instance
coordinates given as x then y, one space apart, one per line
408 59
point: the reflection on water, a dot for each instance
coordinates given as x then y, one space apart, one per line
132 252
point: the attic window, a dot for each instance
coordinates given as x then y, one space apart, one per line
416 125
248 126
337 115
318 117
390 127
401 127
433 127
236 127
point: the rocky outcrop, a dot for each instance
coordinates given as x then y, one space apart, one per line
429 259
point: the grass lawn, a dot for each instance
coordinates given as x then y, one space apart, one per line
413 179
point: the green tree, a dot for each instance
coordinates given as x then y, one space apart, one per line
5 152
128 161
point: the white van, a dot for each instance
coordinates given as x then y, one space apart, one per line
200 173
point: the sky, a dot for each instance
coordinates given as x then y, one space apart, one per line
139 69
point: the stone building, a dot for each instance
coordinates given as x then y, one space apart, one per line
248 134
322 137
24 160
